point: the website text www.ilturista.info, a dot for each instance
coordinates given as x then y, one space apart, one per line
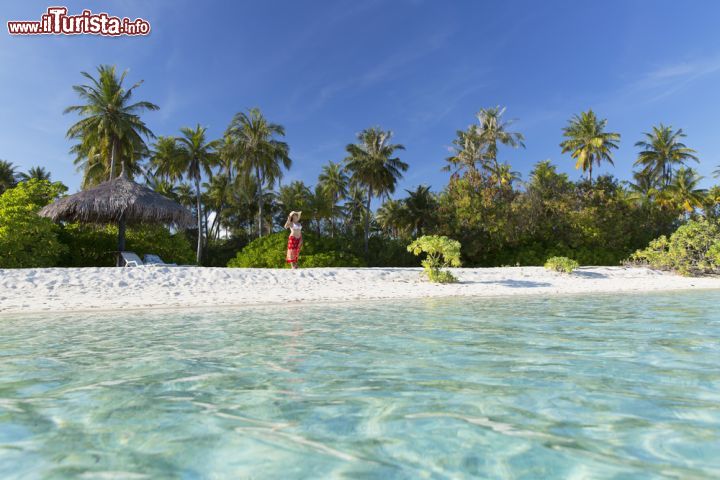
56 21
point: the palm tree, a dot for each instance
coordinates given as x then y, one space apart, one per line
334 183
684 191
643 188
588 141
242 201
354 207
229 157
110 126
547 182
197 156
186 196
420 206
37 173
661 150
216 197
393 217
468 152
504 175
162 186
262 153
644 183
221 187
294 196
8 175
90 157
92 152
164 159
493 130
188 156
711 203
373 167
320 206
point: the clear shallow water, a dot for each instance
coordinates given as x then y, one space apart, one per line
596 387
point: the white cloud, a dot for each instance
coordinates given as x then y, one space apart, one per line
670 78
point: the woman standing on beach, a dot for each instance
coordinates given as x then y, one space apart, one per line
295 239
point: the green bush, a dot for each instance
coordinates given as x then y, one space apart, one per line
441 252
385 252
219 252
655 255
172 248
317 251
561 264
88 245
96 246
26 239
694 249
265 252
441 276
713 254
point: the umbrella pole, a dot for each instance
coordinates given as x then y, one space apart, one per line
121 239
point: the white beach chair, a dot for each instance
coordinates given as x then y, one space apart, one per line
155 261
131 259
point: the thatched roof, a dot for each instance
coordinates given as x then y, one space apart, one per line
107 202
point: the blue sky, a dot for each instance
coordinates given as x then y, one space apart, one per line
327 69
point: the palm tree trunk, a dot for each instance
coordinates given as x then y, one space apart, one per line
497 168
206 228
367 222
217 230
590 172
112 158
332 216
214 227
121 239
260 202
121 227
199 219
216 220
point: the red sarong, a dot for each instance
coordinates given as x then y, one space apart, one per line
293 250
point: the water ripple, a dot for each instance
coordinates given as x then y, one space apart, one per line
598 387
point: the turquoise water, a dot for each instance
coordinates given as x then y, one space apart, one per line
593 387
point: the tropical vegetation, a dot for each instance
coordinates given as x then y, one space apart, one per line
187 156
317 251
27 240
561 264
8 175
356 210
110 133
693 249
588 142
373 168
440 252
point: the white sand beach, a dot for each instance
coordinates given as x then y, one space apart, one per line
78 289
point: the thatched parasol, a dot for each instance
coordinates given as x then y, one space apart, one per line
120 201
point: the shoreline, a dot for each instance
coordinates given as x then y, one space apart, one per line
92 290
335 302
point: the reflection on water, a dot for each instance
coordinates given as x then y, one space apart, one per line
596 387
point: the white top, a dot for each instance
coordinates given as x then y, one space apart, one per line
296 226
